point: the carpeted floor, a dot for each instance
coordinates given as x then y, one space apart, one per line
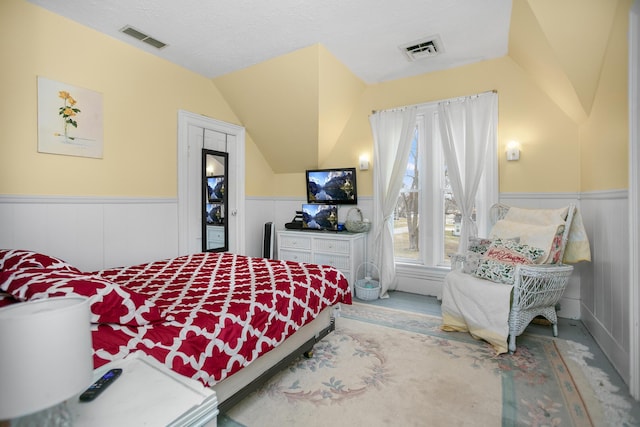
386 367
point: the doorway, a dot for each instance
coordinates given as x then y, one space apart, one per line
196 132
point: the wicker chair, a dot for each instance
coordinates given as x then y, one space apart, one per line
537 288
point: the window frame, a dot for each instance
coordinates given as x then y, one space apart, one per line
431 187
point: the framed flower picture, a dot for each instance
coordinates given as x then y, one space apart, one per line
69 119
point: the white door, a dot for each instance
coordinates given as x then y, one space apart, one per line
196 132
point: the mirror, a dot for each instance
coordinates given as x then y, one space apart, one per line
215 234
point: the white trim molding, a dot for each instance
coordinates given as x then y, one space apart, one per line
103 200
634 199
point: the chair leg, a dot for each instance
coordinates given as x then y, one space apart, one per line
555 329
512 343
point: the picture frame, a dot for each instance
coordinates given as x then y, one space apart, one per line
70 119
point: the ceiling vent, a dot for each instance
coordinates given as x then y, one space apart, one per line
142 37
424 48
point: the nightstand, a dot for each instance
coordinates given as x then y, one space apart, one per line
147 393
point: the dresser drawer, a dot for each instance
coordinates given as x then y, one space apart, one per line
295 242
333 246
343 251
339 262
294 256
215 234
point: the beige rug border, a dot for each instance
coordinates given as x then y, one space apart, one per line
395 310
591 401
579 376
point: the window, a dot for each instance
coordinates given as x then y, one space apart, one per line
426 217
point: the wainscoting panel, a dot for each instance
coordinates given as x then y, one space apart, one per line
91 233
605 281
64 230
139 232
259 210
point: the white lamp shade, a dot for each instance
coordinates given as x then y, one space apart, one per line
45 354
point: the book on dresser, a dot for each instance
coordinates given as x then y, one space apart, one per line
344 251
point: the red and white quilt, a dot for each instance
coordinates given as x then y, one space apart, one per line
221 311
205 315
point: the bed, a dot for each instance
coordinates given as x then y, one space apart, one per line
226 320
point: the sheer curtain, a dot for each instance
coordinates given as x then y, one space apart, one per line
467 129
392 135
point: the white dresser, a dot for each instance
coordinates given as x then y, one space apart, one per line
342 250
215 236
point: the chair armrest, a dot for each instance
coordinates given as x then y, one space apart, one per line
544 270
540 285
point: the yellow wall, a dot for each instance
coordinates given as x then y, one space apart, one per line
143 93
564 147
549 138
605 135
141 98
278 100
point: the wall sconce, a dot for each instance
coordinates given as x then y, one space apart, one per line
513 150
364 162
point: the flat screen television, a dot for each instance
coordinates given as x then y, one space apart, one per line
214 214
332 186
319 217
215 188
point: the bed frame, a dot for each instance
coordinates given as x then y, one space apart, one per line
233 389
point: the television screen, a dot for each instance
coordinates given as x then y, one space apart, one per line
319 217
214 214
335 186
215 188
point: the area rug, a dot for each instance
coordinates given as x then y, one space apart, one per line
384 367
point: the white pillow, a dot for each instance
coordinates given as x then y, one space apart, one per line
537 216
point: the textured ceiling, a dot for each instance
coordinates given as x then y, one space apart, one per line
217 37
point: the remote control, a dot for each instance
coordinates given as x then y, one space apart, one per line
99 386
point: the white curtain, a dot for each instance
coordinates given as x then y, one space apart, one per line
467 128
392 135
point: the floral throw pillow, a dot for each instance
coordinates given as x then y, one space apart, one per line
16 259
109 302
471 262
499 262
478 245
510 250
496 271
